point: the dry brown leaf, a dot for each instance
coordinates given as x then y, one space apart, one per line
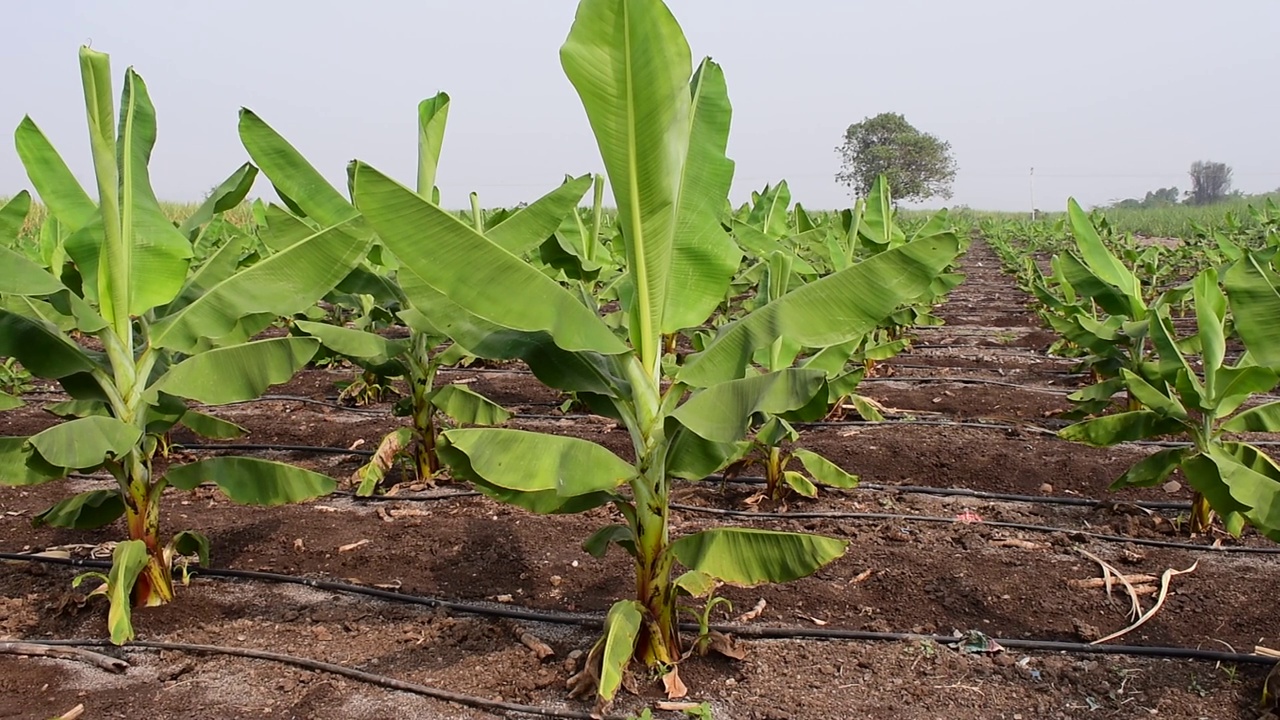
1165 579
667 706
299 545
811 619
753 613
862 577
1101 582
531 641
723 644
72 714
674 686
352 546
1016 543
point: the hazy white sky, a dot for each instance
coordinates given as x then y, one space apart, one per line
1106 99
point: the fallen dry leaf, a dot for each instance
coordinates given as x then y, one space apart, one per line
862 577
667 706
811 619
352 546
753 613
1016 543
674 686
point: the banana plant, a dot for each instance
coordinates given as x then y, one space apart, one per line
1235 478
169 332
418 357
1103 309
662 130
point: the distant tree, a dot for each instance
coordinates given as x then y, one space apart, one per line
1210 182
918 165
1164 197
1161 197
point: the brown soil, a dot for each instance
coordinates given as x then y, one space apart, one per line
900 574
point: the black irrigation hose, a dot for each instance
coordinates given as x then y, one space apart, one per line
898 517
352 673
750 480
779 633
252 447
972 381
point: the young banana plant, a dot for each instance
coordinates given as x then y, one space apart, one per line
417 358
662 130
169 331
1233 477
1093 279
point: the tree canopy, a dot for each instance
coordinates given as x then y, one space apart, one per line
917 165
1210 182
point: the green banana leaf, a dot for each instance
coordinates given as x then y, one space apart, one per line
85 511
534 462
250 481
85 442
746 557
236 373
723 412
829 311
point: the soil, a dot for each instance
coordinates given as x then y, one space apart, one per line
900 574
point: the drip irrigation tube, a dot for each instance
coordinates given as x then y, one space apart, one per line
971 381
253 447
761 632
352 673
755 480
899 517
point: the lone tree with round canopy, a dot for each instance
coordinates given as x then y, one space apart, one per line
917 165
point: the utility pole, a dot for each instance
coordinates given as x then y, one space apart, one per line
1033 194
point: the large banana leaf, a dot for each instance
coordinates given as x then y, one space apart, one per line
283 284
1254 290
226 196
13 215
236 373
1254 481
631 65
829 311
1100 260
468 407
85 442
722 413
471 271
59 190
85 511
534 462
295 178
20 464
251 481
20 276
1110 430
703 257
530 226
746 557
359 344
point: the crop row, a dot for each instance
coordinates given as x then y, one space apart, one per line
707 331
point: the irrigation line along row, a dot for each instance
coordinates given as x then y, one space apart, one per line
752 631
1028 527
344 671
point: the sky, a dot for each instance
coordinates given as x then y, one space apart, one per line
1105 99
